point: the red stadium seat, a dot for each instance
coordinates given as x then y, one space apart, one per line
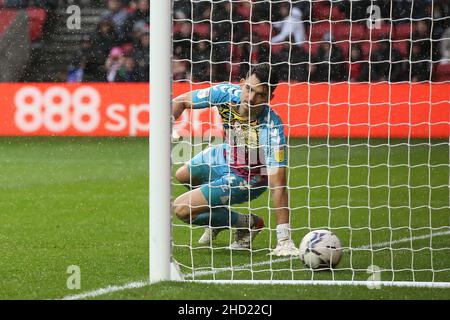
320 11
402 31
263 30
202 29
305 46
313 49
235 71
244 9
383 32
344 46
36 17
337 14
318 29
6 17
403 47
358 31
236 53
367 47
176 27
442 72
341 31
277 48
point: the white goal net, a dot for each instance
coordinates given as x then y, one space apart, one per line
364 103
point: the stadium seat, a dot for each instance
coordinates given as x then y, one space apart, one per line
344 46
381 33
306 46
6 17
403 47
358 31
236 53
244 9
442 72
263 30
337 14
317 30
320 11
235 71
367 47
313 48
202 29
277 48
176 27
340 30
36 17
402 31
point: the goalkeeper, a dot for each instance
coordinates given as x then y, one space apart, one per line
252 158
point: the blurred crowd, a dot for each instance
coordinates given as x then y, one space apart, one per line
118 51
312 40
21 4
316 41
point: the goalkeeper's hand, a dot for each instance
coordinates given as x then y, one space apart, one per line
175 135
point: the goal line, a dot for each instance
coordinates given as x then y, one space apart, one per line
372 284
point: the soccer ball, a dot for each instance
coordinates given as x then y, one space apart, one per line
320 249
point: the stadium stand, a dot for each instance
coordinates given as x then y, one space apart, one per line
7 16
22 28
124 24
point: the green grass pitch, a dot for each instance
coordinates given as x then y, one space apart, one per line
84 202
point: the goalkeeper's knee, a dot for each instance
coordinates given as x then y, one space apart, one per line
182 211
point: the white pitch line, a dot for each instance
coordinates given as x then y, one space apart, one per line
388 243
367 246
108 289
140 284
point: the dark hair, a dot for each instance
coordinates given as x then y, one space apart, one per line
265 75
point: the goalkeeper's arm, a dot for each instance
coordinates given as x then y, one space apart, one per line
278 188
180 103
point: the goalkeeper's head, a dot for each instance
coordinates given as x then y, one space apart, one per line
258 86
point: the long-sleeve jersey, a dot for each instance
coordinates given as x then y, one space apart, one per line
250 145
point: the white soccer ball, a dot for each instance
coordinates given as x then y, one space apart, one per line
320 249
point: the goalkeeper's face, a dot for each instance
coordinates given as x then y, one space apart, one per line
254 94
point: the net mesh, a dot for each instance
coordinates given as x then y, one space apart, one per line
364 98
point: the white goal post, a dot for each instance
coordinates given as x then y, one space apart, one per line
363 97
160 165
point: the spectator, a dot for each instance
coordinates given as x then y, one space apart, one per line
85 65
220 56
128 71
182 9
114 64
445 46
356 64
180 70
200 61
420 67
19 4
117 13
422 37
182 42
292 29
386 64
104 40
329 63
299 67
142 56
141 15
